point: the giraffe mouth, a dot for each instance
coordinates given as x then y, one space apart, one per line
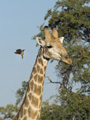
67 60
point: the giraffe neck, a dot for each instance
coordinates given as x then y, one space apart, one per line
31 107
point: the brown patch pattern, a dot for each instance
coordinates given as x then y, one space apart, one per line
34 69
25 118
31 113
35 78
24 111
40 79
38 68
40 61
37 89
41 71
26 102
30 96
45 68
35 101
31 85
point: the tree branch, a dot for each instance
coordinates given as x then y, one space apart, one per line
51 80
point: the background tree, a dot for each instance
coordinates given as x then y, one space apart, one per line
72 19
8 112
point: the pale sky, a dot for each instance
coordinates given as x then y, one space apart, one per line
18 24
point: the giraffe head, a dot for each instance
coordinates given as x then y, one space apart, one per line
52 46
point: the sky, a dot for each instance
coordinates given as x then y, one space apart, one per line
19 21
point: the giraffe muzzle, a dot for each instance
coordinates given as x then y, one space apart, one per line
67 60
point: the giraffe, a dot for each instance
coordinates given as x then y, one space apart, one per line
50 48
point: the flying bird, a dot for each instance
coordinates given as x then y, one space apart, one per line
20 52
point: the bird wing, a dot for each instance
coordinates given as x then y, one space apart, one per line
18 51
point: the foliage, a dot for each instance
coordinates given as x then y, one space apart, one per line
72 19
50 112
73 22
41 34
21 92
8 112
73 107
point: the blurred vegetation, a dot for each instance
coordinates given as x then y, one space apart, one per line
8 112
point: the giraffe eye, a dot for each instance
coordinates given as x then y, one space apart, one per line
49 46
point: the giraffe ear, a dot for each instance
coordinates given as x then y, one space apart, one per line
40 41
61 39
